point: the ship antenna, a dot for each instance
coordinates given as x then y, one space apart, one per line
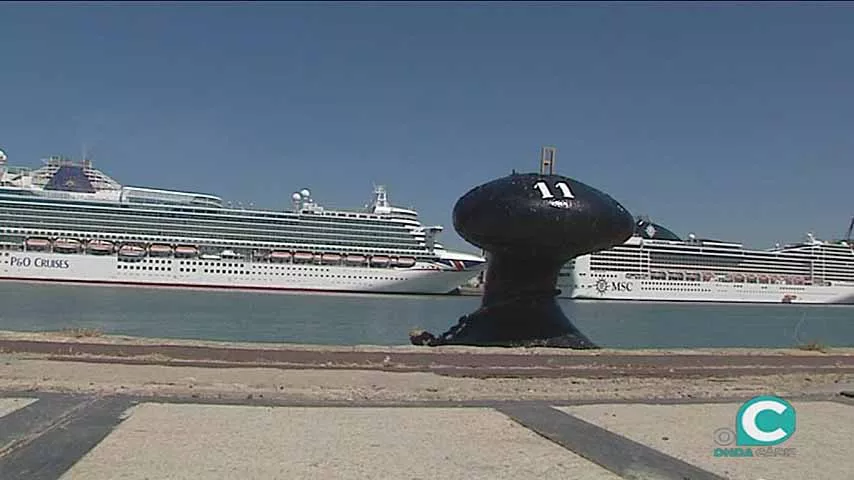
86 155
850 229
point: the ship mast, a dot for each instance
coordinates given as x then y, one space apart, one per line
547 160
850 229
2 165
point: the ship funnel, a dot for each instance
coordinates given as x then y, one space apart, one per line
430 236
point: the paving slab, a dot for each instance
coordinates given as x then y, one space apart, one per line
48 437
9 405
822 438
630 460
183 441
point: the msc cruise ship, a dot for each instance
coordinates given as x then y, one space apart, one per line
69 222
655 264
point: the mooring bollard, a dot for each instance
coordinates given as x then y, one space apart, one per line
530 225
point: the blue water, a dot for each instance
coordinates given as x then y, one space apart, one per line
387 320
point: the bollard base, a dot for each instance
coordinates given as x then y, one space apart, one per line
528 321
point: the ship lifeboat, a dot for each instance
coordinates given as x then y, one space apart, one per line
738 277
100 247
657 275
405 262
355 260
131 251
303 257
280 256
230 254
763 278
330 258
38 244
158 250
379 261
67 245
186 251
708 276
675 276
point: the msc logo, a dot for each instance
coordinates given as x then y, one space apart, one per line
603 286
764 421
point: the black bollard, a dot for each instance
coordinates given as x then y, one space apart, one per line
530 225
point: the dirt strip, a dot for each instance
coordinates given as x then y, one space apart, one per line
28 376
451 361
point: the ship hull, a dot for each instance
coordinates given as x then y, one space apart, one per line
228 274
615 286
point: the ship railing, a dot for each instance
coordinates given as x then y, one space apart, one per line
11 246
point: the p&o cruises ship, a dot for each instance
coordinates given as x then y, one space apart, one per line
655 264
69 222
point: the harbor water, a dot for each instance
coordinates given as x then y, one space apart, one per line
350 319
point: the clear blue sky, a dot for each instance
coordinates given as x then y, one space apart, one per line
734 122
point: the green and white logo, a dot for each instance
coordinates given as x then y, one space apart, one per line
764 421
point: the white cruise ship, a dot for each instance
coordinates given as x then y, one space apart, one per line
69 222
655 264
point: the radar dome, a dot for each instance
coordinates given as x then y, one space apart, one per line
305 192
296 196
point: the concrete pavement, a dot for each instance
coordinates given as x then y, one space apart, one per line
108 408
69 436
